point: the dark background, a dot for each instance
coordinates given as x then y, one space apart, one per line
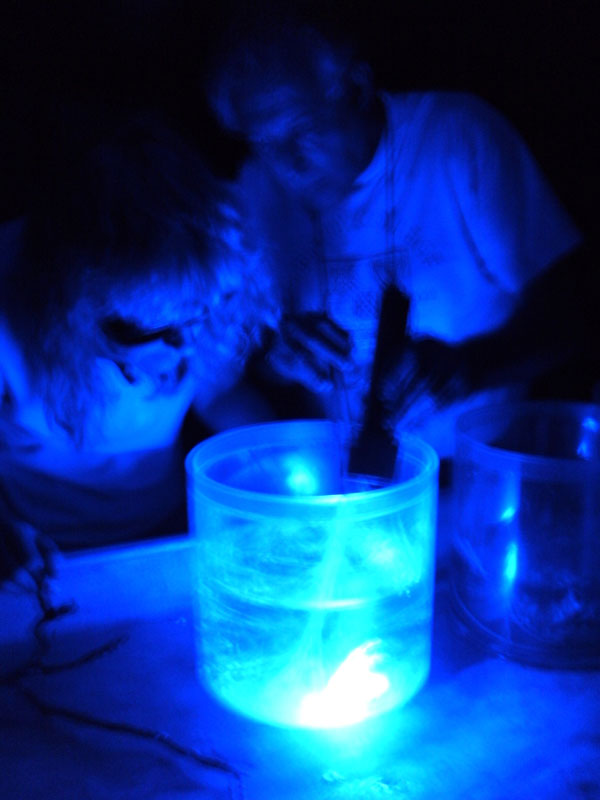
535 60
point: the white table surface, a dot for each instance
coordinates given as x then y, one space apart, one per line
481 728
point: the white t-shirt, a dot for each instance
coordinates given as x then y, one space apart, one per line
453 207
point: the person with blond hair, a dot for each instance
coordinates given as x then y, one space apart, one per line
130 298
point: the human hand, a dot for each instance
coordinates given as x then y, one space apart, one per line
430 375
311 349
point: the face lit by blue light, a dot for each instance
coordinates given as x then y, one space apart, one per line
159 352
315 146
152 330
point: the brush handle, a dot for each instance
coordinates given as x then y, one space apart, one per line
391 333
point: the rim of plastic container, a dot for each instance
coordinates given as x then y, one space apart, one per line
563 407
409 487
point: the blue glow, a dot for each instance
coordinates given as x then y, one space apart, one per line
347 698
591 424
511 563
583 449
301 479
508 514
313 614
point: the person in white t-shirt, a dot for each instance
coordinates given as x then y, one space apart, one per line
435 192
130 297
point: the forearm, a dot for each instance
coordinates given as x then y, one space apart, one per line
555 321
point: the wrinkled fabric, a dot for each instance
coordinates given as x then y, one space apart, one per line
452 207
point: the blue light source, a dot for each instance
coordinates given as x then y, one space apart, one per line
591 424
349 693
588 442
508 514
511 563
300 478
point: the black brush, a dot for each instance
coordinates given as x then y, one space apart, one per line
375 449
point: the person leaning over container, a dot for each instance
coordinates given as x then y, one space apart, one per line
129 297
354 188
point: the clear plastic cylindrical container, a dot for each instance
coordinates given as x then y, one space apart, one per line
526 573
314 588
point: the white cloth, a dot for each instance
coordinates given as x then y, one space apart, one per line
452 206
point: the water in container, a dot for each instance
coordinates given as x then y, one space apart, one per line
314 588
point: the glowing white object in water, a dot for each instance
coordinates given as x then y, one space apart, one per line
349 692
585 449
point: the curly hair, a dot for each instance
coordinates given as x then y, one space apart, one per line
139 215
